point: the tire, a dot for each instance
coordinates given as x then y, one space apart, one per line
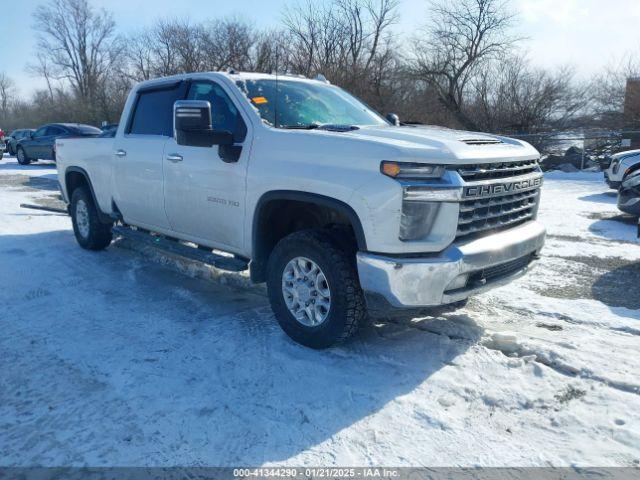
90 232
337 266
22 157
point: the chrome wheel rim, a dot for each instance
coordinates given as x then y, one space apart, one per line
306 291
21 155
82 218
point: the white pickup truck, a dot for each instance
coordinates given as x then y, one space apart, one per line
343 213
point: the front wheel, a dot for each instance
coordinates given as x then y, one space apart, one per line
22 157
314 289
90 232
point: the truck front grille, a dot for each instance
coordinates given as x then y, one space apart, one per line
495 211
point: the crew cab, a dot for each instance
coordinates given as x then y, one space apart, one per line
343 213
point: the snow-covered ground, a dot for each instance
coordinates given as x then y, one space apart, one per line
124 357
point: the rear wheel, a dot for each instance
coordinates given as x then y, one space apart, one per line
22 157
314 289
90 232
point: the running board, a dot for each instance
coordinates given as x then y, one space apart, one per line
174 247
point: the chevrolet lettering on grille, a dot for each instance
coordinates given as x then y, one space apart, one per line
493 189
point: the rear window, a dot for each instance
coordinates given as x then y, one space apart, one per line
153 114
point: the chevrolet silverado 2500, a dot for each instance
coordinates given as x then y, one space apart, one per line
341 212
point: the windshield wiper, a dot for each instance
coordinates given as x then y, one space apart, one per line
311 126
333 127
338 127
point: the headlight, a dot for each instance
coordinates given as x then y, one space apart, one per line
405 170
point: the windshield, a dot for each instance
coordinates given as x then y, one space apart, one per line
304 104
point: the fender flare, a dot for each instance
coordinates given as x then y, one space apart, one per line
258 263
105 218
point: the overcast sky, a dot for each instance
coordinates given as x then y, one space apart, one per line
588 34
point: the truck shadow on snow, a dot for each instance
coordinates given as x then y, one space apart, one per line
606 197
618 287
162 367
617 227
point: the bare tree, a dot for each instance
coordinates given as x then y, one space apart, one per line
77 43
7 95
511 96
348 41
463 35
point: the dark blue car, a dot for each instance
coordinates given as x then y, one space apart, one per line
41 144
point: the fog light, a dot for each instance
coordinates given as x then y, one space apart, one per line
459 282
417 219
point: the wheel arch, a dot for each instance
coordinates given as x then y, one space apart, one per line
282 206
75 177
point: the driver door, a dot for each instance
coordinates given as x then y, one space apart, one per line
204 195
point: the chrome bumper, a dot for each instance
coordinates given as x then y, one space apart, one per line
439 279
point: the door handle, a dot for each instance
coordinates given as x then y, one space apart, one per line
120 153
174 157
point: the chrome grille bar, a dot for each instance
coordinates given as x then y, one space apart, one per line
496 224
501 213
471 205
497 170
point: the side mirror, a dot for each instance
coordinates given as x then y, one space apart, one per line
192 125
393 119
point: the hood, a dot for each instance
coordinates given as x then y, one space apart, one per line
434 143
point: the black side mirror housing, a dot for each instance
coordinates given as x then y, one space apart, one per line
393 119
192 125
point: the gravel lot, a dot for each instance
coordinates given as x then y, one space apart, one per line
130 358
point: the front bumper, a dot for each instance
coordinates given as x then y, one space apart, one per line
451 275
629 203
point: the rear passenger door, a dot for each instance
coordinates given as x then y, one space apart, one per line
138 156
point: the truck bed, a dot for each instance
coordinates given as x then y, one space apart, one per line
94 155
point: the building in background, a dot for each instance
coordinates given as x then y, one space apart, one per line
632 113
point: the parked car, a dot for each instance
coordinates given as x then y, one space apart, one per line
16 135
40 145
109 130
337 209
629 194
622 164
3 145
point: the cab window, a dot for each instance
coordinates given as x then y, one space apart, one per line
40 132
224 114
153 114
51 131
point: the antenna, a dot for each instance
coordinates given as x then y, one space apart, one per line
275 108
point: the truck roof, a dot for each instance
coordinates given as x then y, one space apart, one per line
231 75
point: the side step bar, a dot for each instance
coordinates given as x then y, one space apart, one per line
174 247
43 208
